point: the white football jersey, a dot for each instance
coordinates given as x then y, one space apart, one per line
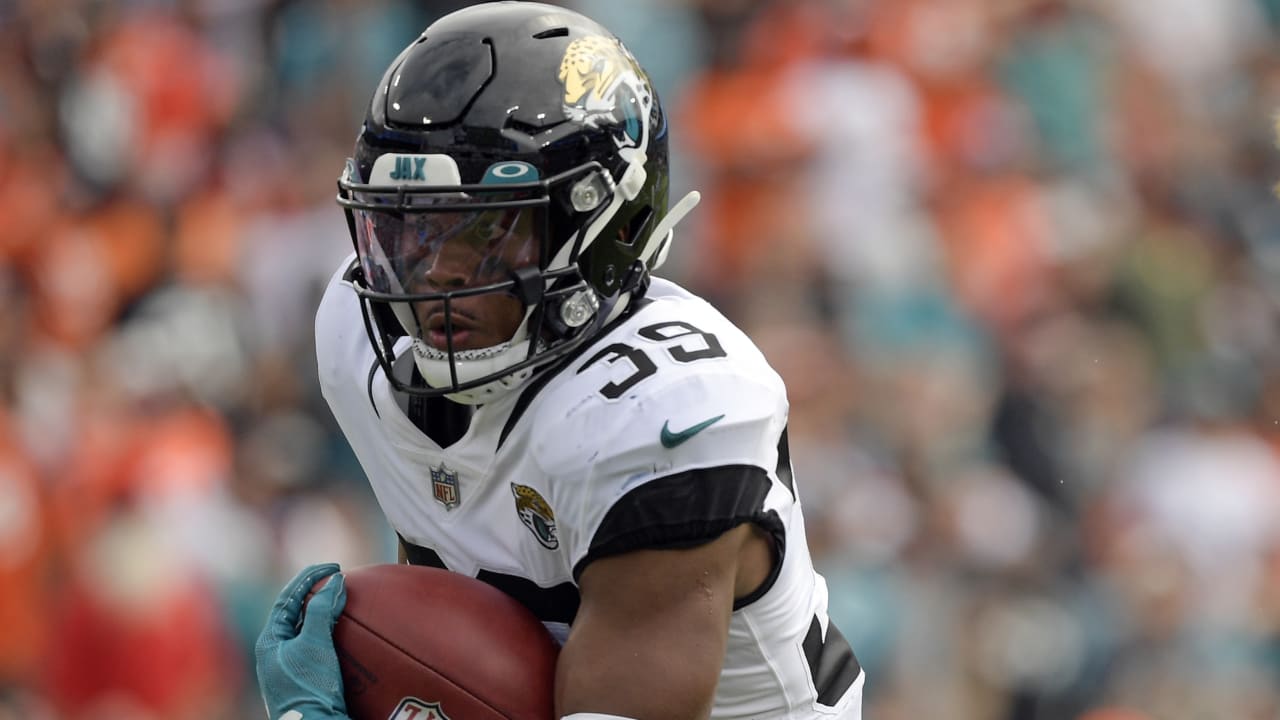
665 431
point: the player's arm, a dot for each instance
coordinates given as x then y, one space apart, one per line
649 638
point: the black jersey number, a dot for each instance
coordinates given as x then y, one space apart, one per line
706 346
611 354
668 331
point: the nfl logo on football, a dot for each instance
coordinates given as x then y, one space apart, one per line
415 709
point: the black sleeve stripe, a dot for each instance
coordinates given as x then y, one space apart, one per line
784 464
773 525
553 604
683 510
831 662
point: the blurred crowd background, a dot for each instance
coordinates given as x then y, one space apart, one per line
1019 261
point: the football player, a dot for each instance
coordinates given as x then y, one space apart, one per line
534 409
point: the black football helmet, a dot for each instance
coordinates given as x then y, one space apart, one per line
525 138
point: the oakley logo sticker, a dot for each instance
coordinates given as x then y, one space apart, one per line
512 171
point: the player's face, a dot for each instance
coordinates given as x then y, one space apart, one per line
445 252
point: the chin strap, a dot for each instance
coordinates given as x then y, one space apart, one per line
659 240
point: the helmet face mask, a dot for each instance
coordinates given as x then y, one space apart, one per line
502 212
426 253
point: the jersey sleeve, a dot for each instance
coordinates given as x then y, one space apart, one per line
680 458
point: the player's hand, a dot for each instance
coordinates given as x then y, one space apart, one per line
297 666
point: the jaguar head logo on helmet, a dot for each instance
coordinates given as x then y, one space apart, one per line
590 65
503 214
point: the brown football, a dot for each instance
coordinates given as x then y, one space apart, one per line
420 643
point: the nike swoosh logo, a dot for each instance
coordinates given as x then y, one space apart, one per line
671 439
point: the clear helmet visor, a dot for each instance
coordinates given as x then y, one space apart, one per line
420 253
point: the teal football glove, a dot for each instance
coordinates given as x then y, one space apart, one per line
297 666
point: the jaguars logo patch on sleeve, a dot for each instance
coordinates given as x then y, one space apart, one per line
536 514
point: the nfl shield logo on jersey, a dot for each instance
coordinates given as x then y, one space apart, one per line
415 709
444 486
